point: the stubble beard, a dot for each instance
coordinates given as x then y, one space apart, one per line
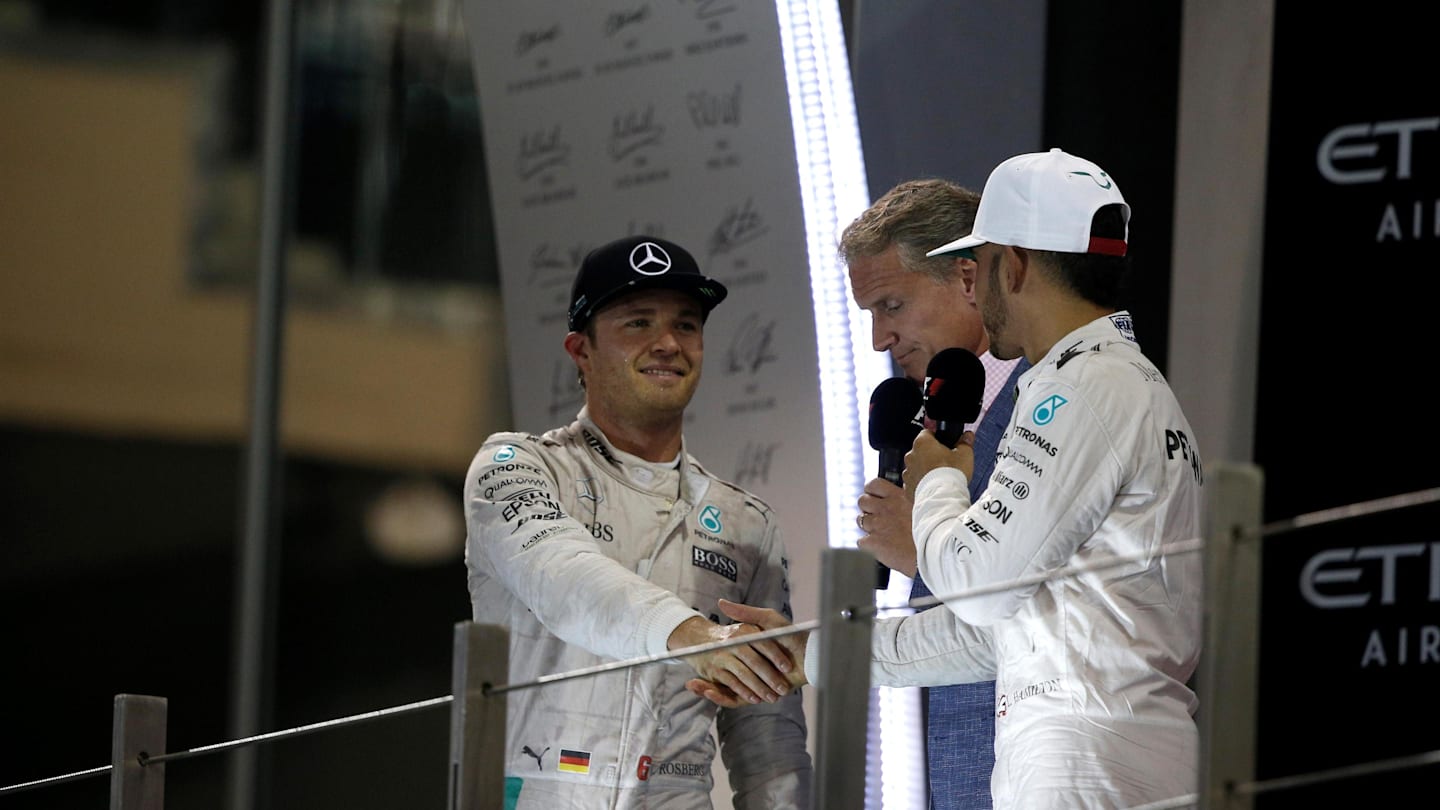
995 315
667 402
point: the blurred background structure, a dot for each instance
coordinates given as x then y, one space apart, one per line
129 194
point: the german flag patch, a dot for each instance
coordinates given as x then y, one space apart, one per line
574 761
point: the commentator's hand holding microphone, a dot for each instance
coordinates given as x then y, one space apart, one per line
894 411
894 422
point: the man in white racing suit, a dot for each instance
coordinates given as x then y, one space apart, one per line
604 540
1092 707
1097 463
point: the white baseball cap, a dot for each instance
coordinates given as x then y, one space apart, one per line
1044 201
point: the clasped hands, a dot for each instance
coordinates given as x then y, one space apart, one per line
767 670
763 671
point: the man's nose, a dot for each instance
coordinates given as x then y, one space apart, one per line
667 342
881 339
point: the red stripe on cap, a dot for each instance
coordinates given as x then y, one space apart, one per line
1109 247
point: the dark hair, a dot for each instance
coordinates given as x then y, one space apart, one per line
1099 279
916 216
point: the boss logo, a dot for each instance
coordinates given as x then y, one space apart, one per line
715 562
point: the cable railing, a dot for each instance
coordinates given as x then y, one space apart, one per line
477 705
1227 682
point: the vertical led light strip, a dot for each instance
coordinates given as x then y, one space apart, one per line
833 192
832 188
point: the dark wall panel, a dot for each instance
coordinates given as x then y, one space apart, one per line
1350 632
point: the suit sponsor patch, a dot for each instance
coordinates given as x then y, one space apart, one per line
1125 325
715 562
647 767
501 469
710 519
599 447
692 769
1007 702
574 761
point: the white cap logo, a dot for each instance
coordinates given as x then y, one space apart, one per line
649 259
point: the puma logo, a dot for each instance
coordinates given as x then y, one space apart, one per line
539 764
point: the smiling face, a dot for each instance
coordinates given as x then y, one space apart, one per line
914 315
641 358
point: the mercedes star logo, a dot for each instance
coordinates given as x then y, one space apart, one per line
649 259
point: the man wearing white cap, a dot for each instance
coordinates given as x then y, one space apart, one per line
1098 464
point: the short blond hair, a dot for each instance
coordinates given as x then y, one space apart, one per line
915 216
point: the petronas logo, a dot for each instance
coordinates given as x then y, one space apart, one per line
710 520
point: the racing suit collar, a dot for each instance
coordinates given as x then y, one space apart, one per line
1107 329
650 476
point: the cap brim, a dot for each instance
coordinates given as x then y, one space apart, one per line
964 247
706 291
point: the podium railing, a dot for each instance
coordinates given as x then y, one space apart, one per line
1226 682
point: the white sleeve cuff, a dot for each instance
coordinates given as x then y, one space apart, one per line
812 660
657 625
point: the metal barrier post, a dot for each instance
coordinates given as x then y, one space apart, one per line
1229 662
847 602
138 728
477 720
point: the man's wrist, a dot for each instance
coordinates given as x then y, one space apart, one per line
661 624
688 633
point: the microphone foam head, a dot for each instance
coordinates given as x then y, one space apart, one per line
954 386
893 407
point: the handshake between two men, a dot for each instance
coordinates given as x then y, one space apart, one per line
769 669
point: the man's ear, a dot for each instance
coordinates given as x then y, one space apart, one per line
577 345
1018 267
966 268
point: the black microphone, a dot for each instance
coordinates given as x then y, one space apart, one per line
954 392
895 408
